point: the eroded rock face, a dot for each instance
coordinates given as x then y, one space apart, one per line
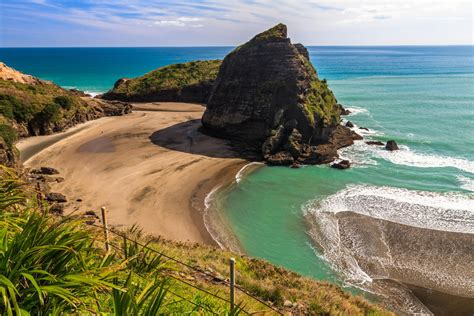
8 156
267 98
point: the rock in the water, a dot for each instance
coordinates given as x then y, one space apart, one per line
267 98
342 110
391 145
364 128
349 124
343 164
375 142
56 197
45 170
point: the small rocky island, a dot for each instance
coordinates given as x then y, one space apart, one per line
265 97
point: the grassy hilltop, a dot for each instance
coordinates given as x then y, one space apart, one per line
184 82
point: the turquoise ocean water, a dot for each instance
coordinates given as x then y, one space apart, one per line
422 97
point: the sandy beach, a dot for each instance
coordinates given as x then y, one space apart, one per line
152 168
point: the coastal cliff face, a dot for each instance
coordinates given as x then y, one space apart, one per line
268 99
30 106
186 82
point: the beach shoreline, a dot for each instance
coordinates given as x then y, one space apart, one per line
152 168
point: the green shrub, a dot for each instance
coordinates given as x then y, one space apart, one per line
13 108
50 113
8 134
64 101
7 103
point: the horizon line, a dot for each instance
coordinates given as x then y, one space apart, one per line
231 46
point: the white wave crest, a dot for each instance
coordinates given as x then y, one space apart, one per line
362 154
93 93
466 183
208 200
432 210
357 110
239 176
405 156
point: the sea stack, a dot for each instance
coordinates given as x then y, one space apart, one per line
268 99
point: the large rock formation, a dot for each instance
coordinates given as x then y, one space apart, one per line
268 99
30 106
187 82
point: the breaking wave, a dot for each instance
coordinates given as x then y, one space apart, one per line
362 154
432 210
240 175
372 235
466 183
357 110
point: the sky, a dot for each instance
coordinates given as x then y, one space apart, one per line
94 23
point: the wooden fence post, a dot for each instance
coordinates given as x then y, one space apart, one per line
232 284
106 228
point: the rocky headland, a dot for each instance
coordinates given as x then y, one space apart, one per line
30 106
186 82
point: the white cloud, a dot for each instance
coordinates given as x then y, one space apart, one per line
231 22
180 22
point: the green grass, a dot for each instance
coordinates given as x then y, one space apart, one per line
174 76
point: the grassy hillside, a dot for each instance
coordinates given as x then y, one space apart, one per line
30 106
190 81
58 265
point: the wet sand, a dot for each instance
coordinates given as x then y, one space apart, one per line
417 268
152 168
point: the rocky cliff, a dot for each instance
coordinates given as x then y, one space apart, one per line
268 99
30 106
186 82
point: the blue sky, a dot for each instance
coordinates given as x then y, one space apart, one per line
49 23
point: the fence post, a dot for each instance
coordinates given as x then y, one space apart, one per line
232 284
106 228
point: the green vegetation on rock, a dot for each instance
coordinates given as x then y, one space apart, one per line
32 106
40 104
320 103
166 82
8 134
279 31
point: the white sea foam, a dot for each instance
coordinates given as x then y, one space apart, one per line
406 156
208 200
362 154
357 110
466 183
239 176
93 94
432 210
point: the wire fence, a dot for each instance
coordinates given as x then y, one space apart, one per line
216 278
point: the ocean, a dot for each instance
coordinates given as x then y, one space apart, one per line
356 227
